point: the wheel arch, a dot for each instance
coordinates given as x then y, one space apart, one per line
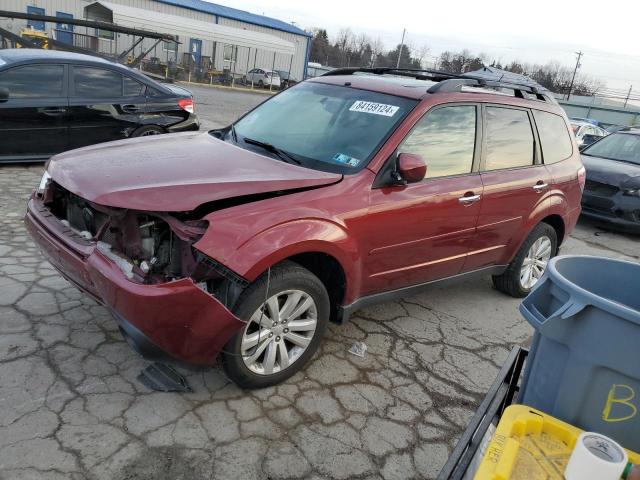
330 272
558 225
321 246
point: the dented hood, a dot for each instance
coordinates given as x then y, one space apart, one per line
176 172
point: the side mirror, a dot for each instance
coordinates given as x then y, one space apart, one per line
411 168
4 94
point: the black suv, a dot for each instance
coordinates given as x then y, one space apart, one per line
53 101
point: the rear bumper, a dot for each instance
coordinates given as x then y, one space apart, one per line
192 123
175 319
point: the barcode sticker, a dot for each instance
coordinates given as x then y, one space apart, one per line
375 108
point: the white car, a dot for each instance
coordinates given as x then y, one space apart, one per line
262 78
586 133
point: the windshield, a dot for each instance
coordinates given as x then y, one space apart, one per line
617 146
325 127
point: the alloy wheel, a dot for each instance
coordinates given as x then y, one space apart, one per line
535 263
279 332
149 132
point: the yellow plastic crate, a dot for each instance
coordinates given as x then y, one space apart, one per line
530 445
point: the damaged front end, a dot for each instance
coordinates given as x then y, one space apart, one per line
149 247
164 294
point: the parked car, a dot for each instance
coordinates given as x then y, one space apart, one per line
612 191
262 78
52 101
247 241
286 80
586 132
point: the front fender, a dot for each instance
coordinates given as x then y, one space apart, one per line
294 237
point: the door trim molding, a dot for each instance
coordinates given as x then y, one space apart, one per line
345 311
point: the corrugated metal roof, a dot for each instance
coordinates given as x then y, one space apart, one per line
127 16
235 14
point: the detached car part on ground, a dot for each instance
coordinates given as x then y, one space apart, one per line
247 241
52 101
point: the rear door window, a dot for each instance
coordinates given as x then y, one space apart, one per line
91 82
445 139
508 138
554 137
131 87
34 81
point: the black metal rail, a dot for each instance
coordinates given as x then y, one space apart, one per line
88 23
500 396
25 42
448 82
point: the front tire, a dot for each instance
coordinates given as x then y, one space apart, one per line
282 333
527 267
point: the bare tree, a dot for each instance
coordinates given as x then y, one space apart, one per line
421 53
377 47
343 41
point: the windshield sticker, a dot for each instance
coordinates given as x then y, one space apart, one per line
345 159
375 108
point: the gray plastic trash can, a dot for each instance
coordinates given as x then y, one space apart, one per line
584 363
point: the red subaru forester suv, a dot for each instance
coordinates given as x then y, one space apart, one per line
351 188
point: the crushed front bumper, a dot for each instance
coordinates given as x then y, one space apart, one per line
177 318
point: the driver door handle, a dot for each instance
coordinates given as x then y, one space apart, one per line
540 186
53 111
469 199
130 108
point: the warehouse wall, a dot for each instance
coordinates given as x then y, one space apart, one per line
264 59
245 58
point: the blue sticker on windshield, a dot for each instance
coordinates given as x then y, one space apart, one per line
345 159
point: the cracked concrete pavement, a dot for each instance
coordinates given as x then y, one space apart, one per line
71 408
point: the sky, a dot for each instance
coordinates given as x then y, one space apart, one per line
608 33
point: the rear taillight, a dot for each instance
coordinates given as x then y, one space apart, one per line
582 178
186 104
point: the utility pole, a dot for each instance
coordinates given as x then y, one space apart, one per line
628 95
574 73
401 47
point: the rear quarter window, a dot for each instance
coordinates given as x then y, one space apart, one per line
92 82
554 137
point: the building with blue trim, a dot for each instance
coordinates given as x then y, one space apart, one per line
219 55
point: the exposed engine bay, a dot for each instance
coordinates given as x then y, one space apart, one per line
149 247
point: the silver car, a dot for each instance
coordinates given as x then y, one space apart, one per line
586 133
262 78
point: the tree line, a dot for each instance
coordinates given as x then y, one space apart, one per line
348 49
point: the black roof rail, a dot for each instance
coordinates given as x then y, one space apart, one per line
453 85
457 84
417 73
448 82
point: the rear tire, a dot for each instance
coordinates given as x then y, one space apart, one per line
246 358
518 279
147 131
